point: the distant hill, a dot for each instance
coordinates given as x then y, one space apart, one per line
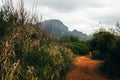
55 28
80 35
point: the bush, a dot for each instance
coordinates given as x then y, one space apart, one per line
96 55
111 70
106 46
71 38
111 66
27 54
6 23
51 63
103 41
78 48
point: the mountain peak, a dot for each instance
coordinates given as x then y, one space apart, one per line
54 24
53 21
58 29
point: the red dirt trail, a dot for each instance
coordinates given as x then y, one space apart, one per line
84 68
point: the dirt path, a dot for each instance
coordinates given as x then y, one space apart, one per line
84 69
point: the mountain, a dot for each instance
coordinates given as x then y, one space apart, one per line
80 35
55 28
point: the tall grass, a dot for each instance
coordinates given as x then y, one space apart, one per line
25 52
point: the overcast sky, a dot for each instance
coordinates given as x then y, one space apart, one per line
82 15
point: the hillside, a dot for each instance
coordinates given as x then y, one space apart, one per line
56 29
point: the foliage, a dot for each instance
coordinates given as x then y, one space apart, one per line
111 66
74 39
78 48
106 45
65 39
96 54
103 42
25 54
6 19
48 65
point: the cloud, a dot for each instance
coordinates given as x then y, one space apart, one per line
107 15
78 14
81 14
67 5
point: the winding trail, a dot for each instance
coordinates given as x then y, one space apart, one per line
84 68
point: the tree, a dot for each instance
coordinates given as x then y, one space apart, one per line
78 48
6 21
69 39
74 39
111 66
103 42
118 27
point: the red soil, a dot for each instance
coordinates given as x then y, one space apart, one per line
84 69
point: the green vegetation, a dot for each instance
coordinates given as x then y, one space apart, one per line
28 53
78 48
66 39
25 52
102 42
111 66
96 54
6 20
106 46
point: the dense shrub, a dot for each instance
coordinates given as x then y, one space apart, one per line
96 54
65 39
49 65
106 46
103 42
74 39
111 66
6 25
78 48
27 54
